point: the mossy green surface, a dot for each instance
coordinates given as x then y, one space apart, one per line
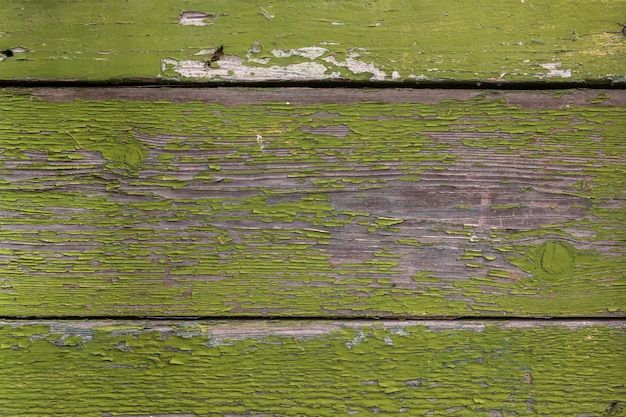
153 208
311 369
413 41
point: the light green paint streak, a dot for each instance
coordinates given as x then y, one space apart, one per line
506 206
122 248
402 369
426 40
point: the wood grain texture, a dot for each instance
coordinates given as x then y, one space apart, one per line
421 41
320 203
255 368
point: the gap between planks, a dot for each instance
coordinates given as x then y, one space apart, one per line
343 84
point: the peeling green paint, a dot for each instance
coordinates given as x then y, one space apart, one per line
497 273
294 369
156 208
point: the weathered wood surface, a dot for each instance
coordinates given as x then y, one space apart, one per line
299 40
229 203
255 368
312 202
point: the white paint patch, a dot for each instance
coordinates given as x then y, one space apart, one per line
205 52
232 69
256 47
311 52
259 140
195 18
262 61
357 66
235 68
555 70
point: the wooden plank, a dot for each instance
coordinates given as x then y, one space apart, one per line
251 368
405 41
391 203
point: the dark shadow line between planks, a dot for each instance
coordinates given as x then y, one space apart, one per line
443 84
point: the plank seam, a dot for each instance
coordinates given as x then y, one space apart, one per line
443 85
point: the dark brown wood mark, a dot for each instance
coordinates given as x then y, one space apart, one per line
613 410
217 55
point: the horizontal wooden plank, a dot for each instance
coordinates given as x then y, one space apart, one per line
300 368
299 40
396 203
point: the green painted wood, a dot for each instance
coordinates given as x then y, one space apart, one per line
311 202
288 368
358 40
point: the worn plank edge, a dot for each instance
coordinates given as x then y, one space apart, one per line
305 95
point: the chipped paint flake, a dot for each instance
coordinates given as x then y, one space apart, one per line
357 66
388 341
195 18
554 70
310 52
358 338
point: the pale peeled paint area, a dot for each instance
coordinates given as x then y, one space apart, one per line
234 68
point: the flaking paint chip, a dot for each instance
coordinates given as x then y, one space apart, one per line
195 18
